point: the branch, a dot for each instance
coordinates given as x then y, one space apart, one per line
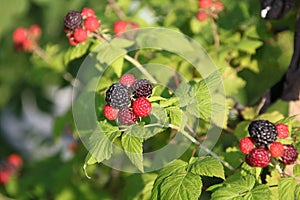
215 33
116 8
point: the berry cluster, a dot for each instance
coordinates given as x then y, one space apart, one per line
26 39
127 100
262 144
79 24
9 167
121 26
208 8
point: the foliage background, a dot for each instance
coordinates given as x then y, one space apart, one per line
253 53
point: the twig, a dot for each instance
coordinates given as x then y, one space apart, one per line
141 68
215 33
131 60
116 8
197 143
41 53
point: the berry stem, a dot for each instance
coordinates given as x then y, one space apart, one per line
197 143
133 61
141 68
116 8
41 53
215 32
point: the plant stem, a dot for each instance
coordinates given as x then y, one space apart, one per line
215 32
116 8
197 143
41 53
132 61
141 68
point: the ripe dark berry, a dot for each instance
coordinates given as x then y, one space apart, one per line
80 35
110 112
258 157
263 132
91 24
141 107
282 130
87 12
127 80
15 160
20 35
118 96
276 149
205 3
126 116
73 20
141 88
290 154
246 145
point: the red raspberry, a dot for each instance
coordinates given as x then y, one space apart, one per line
290 154
72 41
127 80
120 26
126 116
276 149
246 145
258 157
35 31
15 160
201 16
80 35
20 35
27 45
87 12
91 24
205 3
110 112
218 5
4 176
142 107
282 130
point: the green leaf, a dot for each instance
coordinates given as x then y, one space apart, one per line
117 65
235 189
259 192
181 186
286 188
206 166
175 115
101 141
296 170
121 43
297 191
175 167
133 147
248 45
76 52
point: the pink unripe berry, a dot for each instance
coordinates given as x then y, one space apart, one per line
201 16
80 35
91 24
20 35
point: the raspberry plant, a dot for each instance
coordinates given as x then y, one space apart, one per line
153 106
